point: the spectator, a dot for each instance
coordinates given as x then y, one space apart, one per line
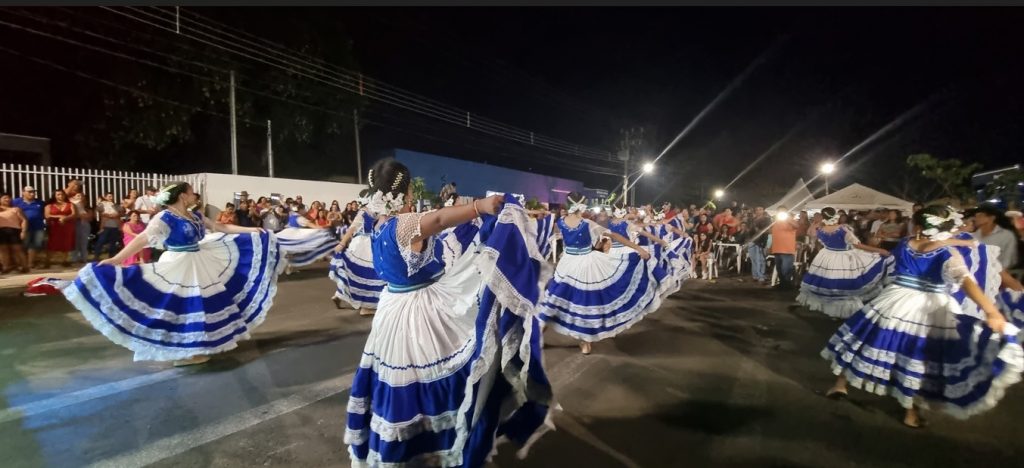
228 215
321 219
670 210
32 209
146 205
725 218
60 225
274 219
784 247
110 226
131 230
243 197
992 227
703 226
13 232
334 215
910 220
891 231
83 228
130 199
758 240
702 247
244 213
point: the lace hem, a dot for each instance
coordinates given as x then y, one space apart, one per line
146 351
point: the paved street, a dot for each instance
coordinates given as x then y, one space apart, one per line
725 374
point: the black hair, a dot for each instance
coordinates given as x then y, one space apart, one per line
934 210
576 197
175 189
448 192
389 176
828 213
1001 220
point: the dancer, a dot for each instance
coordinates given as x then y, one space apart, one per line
913 343
203 295
452 360
594 295
845 273
667 284
352 266
302 241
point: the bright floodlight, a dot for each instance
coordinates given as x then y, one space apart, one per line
719 193
828 168
782 216
648 167
597 209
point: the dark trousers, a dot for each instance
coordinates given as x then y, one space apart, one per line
108 236
784 267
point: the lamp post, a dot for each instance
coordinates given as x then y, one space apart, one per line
827 169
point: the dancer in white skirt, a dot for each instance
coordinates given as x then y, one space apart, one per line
594 295
357 283
303 242
205 293
620 224
915 343
845 273
452 360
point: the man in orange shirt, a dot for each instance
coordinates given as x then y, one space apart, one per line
784 246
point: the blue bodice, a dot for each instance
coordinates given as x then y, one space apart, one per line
916 268
577 237
835 240
293 220
405 270
619 227
184 235
368 222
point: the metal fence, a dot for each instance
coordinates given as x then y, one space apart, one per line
95 182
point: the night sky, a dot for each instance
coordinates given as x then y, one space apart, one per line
824 81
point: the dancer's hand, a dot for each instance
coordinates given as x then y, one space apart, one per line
663 243
489 205
645 255
996 322
339 248
112 261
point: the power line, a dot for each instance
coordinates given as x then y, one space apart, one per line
347 80
243 88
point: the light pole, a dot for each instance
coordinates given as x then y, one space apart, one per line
719 193
827 169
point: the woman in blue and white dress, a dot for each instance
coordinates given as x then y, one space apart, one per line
357 283
452 361
302 241
845 273
205 293
594 295
914 342
620 224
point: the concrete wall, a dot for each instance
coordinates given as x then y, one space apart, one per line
221 188
475 179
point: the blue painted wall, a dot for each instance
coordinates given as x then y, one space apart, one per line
475 179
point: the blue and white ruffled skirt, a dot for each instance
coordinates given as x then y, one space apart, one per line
596 295
352 271
304 246
916 347
187 303
838 283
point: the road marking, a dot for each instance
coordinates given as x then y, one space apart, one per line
91 393
185 441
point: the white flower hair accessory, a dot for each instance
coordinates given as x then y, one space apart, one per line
619 213
830 221
449 202
576 206
381 204
521 198
163 198
659 215
362 201
933 221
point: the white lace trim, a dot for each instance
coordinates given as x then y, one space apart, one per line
146 351
835 307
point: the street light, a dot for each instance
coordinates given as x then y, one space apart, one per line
648 168
719 194
827 169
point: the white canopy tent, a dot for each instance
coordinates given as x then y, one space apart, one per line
795 198
860 198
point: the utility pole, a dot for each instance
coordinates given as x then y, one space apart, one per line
270 150
631 138
359 155
234 136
